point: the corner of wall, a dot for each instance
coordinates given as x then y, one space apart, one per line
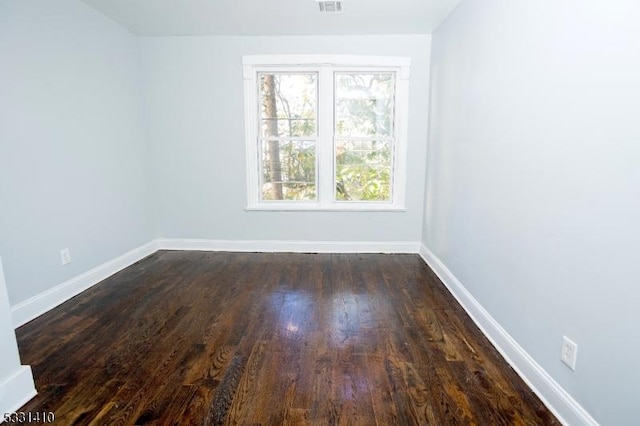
16 381
17 390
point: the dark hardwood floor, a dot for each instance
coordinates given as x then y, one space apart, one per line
245 338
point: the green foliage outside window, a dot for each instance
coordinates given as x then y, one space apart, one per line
364 105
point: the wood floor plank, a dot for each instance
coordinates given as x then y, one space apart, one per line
195 338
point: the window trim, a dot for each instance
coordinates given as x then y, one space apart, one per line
325 65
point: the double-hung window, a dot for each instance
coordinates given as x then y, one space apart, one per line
326 132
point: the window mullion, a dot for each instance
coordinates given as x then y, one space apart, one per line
325 137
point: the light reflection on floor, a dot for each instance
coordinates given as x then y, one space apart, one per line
345 319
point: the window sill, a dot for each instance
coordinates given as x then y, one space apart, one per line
312 207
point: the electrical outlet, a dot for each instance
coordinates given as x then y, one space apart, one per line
65 256
569 352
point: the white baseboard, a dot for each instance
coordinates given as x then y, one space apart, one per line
290 246
16 390
37 305
563 406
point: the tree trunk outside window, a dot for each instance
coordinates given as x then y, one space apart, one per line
271 112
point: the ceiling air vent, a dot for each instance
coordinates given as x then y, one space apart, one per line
330 6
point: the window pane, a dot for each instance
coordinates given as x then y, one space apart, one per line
363 170
288 104
288 170
364 104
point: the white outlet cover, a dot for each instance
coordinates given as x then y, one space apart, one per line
65 256
569 352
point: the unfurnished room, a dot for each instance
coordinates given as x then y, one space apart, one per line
319 212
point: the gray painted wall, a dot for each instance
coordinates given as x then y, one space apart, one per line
195 117
72 156
533 194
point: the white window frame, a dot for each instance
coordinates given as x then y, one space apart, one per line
325 66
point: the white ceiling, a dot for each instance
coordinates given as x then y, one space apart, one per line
274 17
